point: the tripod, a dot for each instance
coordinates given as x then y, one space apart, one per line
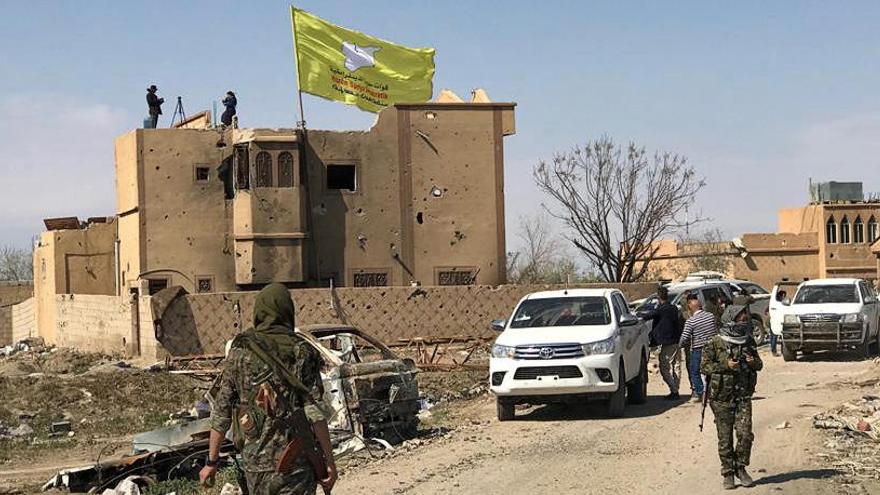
178 110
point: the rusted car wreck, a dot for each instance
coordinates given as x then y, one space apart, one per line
373 394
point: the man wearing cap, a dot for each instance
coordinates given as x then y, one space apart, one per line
731 362
154 103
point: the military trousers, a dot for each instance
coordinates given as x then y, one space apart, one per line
733 418
271 483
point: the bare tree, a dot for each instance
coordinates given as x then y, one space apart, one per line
542 258
617 201
16 264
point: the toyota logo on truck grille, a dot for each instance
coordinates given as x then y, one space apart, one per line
546 353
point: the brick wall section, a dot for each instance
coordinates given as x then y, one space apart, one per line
202 323
94 322
23 320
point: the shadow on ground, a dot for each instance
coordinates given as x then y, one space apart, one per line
655 406
805 474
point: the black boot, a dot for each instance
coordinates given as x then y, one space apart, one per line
744 478
728 483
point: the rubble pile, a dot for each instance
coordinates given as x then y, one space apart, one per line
853 443
82 404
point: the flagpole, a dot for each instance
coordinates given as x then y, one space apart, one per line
310 211
302 116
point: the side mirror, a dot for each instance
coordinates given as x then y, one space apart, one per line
498 325
785 302
629 320
870 300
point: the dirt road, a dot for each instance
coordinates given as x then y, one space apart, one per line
657 448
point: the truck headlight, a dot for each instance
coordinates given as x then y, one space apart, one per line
602 347
502 351
791 319
852 318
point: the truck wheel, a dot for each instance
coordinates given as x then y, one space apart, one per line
637 390
505 409
788 354
617 401
758 330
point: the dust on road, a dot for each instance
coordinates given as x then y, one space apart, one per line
656 448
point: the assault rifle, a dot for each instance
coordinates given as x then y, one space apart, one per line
705 401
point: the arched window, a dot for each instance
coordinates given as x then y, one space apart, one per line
872 229
285 169
831 231
858 231
844 231
263 165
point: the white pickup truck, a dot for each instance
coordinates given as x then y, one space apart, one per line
567 346
830 314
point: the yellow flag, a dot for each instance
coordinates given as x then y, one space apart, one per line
344 65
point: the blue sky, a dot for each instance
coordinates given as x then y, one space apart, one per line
760 96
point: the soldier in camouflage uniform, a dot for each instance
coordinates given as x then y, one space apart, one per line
266 414
731 362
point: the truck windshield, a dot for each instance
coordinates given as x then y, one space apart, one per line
822 294
562 311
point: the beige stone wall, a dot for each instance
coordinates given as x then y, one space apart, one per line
202 323
186 224
24 322
80 261
94 322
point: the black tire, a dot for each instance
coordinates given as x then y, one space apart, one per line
759 332
788 354
617 402
637 390
506 410
867 348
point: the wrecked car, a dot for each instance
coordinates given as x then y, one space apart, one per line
372 393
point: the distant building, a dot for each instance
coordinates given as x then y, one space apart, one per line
830 237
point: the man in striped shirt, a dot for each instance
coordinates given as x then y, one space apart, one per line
698 331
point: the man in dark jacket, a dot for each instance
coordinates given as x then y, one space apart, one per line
666 333
229 102
154 103
731 363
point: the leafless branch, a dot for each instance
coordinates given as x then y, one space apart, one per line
617 201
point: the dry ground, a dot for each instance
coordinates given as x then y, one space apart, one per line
657 448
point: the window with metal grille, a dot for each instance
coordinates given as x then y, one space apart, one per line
285 169
370 279
263 168
204 284
455 276
858 230
872 230
844 231
242 168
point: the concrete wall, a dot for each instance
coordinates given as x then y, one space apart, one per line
202 323
24 322
94 323
78 261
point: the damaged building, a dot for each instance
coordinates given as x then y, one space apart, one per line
832 236
418 199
